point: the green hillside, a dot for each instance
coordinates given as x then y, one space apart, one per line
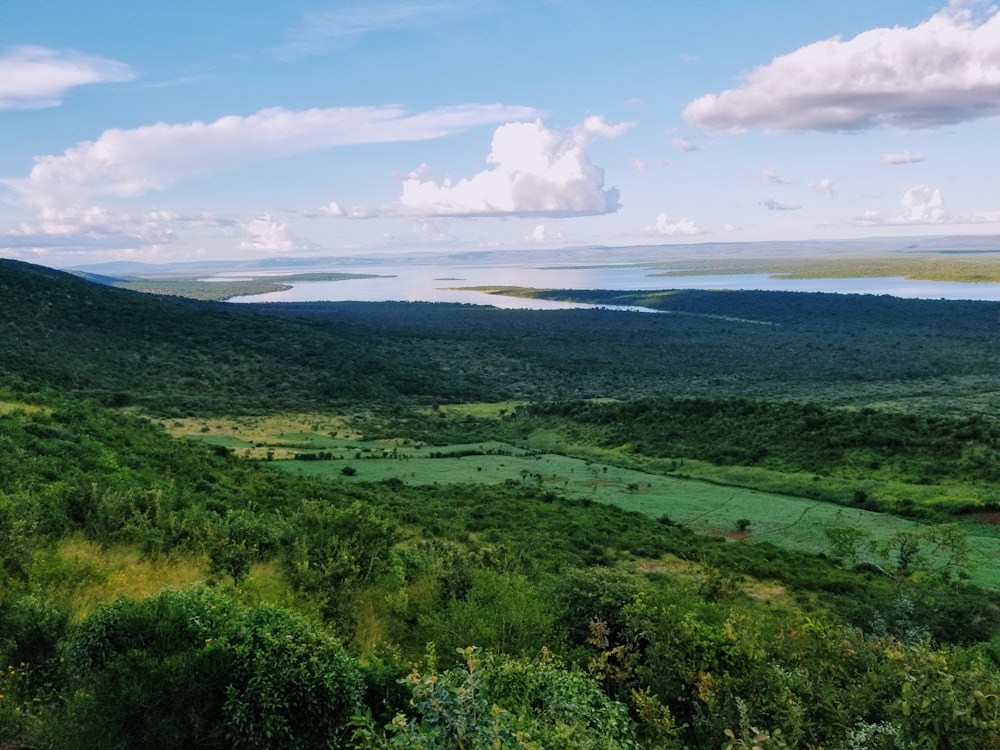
173 355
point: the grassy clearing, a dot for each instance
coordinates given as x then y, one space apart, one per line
704 507
278 436
708 499
486 410
8 407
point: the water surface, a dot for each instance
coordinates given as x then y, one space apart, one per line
440 283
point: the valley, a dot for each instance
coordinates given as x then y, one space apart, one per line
756 509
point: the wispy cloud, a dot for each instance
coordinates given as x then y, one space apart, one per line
944 70
321 30
771 176
683 144
772 205
137 161
37 77
903 157
824 186
179 81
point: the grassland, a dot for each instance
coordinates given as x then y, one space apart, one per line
719 502
925 267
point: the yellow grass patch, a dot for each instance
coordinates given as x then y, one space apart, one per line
6 407
483 410
765 591
82 575
259 436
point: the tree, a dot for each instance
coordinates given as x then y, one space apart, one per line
934 554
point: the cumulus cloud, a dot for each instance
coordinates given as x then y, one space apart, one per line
773 205
903 157
944 70
597 126
683 227
136 161
920 205
36 77
542 233
683 144
264 234
824 186
533 171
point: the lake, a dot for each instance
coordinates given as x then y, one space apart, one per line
437 283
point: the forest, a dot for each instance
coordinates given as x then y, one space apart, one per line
406 525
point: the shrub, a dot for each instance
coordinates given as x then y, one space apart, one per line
498 701
192 668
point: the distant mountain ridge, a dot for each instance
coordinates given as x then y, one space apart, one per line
591 254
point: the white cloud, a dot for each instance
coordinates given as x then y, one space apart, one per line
771 176
683 144
264 234
35 77
824 186
136 161
921 205
97 227
596 125
533 171
773 205
641 165
542 233
683 227
329 210
944 70
903 157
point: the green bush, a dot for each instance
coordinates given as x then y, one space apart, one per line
192 668
497 701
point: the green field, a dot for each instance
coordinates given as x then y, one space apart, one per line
704 507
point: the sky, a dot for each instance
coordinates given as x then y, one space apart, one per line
181 131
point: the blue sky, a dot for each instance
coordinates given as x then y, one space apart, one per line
182 131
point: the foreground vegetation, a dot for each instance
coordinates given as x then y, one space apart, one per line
516 575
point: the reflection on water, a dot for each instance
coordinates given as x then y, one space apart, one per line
435 283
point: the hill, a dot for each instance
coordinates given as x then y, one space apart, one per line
173 355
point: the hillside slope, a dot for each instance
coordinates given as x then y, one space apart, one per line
172 355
